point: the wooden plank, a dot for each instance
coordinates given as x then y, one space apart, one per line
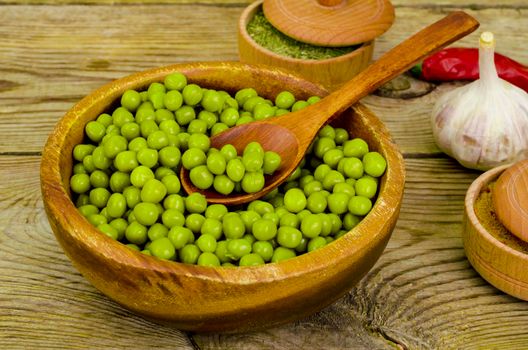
422 293
45 74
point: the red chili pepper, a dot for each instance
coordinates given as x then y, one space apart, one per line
462 64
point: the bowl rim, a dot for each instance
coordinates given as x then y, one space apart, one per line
472 194
386 206
242 29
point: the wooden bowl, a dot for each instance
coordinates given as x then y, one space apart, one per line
331 73
217 299
501 262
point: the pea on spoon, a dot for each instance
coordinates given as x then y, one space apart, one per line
291 134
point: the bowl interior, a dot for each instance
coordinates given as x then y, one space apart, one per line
194 297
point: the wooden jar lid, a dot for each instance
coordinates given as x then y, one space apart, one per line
510 199
330 22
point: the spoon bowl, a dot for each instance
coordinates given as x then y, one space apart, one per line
291 134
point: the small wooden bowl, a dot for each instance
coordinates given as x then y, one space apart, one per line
218 299
496 261
331 73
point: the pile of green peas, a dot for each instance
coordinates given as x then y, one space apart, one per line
226 171
125 179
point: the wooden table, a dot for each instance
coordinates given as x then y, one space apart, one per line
422 293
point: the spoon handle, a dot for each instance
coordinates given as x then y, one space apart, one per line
428 40
400 58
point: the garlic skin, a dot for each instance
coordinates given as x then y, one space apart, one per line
483 124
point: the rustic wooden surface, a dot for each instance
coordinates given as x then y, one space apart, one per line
422 293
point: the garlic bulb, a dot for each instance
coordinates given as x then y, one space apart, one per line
483 124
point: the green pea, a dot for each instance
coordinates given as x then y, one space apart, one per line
341 135
175 81
316 243
311 225
313 99
108 230
141 175
311 187
120 117
288 237
120 225
114 145
99 159
137 144
80 183
244 94
285 100
119 181
233 226
172 217
170 127
116 205
146 213
172 183
332 157
218 128
251 260
105 119
238 247
88 209
327 131
169 156
126 161
197 126
208 259
264 229
192 94
359 205
95 131
344 187
366 187
216 163
263 111
99 197
223 184
212 227
323 145
196 203
374 164
201 177
190 254
272 162
163 248
295 200
321 171
331 179
282 253
157 231
248 218
355 148
136 233
173 100
147 157
206 243
229 116
81 151
221 251
216 211
212 101
193 157
235 169
253 182
162 171
264 249
174 201
180 236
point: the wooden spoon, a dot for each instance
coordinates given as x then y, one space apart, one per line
290 135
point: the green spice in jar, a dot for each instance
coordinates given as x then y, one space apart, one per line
264 34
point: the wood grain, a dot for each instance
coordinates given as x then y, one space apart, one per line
422 294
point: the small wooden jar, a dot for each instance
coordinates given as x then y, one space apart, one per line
331 72
502 260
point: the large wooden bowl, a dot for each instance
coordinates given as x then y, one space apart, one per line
331 72
500 262
217 299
